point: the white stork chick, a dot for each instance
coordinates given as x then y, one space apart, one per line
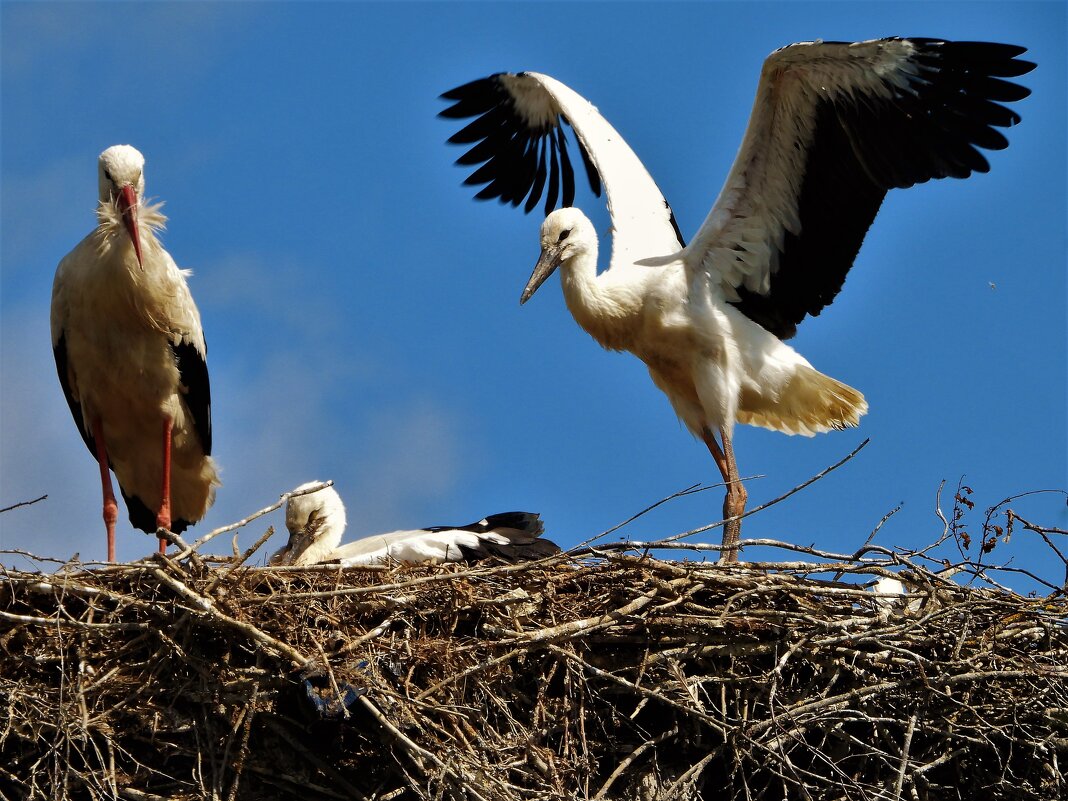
316 522
130 355
891 592
834 127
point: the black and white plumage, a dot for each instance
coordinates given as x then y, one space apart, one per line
316 522
130 354
834 127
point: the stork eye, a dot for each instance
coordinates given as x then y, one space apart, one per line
108 176
564 235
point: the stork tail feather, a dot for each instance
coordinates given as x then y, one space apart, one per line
811 403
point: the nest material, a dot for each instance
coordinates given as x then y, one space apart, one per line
604 677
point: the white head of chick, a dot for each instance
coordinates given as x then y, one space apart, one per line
316 522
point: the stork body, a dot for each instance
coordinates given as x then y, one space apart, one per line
130 354
316 522
834 127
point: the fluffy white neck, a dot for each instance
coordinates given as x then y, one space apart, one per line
601 304
327 541
114 243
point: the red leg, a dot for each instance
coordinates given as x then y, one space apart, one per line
734 502
163 519
111 508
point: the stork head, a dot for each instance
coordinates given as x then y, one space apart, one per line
565 234
122 185
316 520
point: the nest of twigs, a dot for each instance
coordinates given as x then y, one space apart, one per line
608 675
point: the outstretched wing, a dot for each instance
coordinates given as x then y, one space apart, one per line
834 127
520 142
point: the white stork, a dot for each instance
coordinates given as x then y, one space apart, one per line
834 126
130 355
316 522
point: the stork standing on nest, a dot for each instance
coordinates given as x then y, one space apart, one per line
130 355
316 522
834 127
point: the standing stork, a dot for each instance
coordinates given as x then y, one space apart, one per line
834 126
130 355
316 521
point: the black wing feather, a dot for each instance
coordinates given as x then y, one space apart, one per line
522 528
196 392
62 365
512 553
195 389
866 145
144 519
528 522
539 180
554 178
512 152
566 170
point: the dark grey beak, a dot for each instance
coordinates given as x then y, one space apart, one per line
546 266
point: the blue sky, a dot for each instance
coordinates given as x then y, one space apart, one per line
362 310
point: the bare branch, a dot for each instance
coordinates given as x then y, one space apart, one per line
22 503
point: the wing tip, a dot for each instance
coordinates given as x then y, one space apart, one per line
512 130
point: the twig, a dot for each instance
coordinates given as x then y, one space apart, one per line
576 627
627 761
904 757
1036 528
265 511
938 511
691 490
224 574
22 503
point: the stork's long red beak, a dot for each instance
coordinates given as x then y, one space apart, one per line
128 206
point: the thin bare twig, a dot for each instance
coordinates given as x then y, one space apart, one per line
21 504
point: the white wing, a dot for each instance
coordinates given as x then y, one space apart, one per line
520 143
833 128
509 536
416 547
